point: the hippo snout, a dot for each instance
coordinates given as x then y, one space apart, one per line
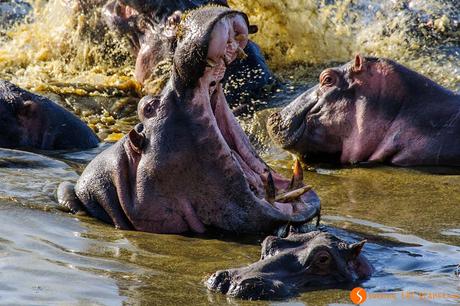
247 287
274 122
219 281
275 127
259 289
285 131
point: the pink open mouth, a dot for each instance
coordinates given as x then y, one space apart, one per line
228 38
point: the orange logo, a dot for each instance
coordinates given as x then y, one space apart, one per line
358 295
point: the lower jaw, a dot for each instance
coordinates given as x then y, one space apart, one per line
224 129
253 167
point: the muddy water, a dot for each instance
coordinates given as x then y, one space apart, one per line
410 218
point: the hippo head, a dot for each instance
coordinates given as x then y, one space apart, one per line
194 166
12 130
150 27
345 117
299 262
21 118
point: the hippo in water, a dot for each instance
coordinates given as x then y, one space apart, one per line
300 262
372 110
33 122
151 27
189 165
13 12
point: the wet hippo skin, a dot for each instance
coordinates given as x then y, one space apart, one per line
189 165
372 110
29 121
300 262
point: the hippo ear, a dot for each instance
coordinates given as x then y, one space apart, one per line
358 65
253 29
356 248
136 139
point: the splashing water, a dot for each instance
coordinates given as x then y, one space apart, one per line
67 43
302 36
67 53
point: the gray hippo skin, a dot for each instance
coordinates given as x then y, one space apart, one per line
189 165
30 121
372 110
13 12
151 28
300 262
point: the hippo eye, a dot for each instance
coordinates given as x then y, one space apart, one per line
148 111
323 258
327 78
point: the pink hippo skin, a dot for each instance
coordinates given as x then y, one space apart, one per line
372 110
189 165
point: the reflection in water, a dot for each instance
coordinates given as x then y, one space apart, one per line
31 179
43 260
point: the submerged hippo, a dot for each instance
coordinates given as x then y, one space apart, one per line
189 165
297 263
34 122
372 110
152 28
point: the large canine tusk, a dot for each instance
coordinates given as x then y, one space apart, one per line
270 189
242 54
292 195
297 176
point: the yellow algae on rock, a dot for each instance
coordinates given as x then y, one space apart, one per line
114 137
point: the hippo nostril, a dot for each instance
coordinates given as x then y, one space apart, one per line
139 128
219 281
213 83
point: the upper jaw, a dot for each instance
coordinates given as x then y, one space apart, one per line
208 108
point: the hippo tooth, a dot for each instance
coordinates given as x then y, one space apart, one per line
241 53
270 189
211 63
297 175
292 195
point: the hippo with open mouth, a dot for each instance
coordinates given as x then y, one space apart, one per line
29 121
300 262
372 110
189 165
151 27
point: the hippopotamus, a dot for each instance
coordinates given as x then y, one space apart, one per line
13 12
372 110
152 28
188 165
34 122
300 262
